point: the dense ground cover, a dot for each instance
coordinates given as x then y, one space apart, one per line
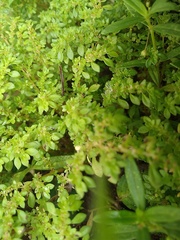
89 119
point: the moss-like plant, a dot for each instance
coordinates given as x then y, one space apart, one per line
88 88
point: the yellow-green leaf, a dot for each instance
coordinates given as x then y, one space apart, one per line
95 67
70 53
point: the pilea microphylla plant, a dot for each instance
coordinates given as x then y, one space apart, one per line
89 119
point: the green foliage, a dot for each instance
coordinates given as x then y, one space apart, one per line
89 88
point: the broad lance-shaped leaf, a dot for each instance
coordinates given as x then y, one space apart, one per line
135 183
172 229
163 214
161 6
168 28
122 24
116 217
137 6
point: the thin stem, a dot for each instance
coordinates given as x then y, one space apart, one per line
152 33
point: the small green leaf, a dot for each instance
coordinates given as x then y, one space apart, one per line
70 53
95 67
14 74
89 182
60 56
32 151
112 53
31 200
172 29
143 129
108 62
134 99
22 216
86 75
85 230
94 87
161 6
25 159
146 100
79 218
123 103
34 144
50 207
135 183
8 166
17 163
80 50
122 24
166 113
55 97
137 6
47 178
10 85
155 177
97 168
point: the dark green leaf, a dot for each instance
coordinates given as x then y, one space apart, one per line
124 193
172 29
124 232
173 53
137 6
163 214
135 183
161 6
155 177
134 63
122 24
153 72
115 217
143 129
171 228
146 100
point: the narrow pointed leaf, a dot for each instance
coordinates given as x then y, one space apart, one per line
135 183
134 63
122 24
